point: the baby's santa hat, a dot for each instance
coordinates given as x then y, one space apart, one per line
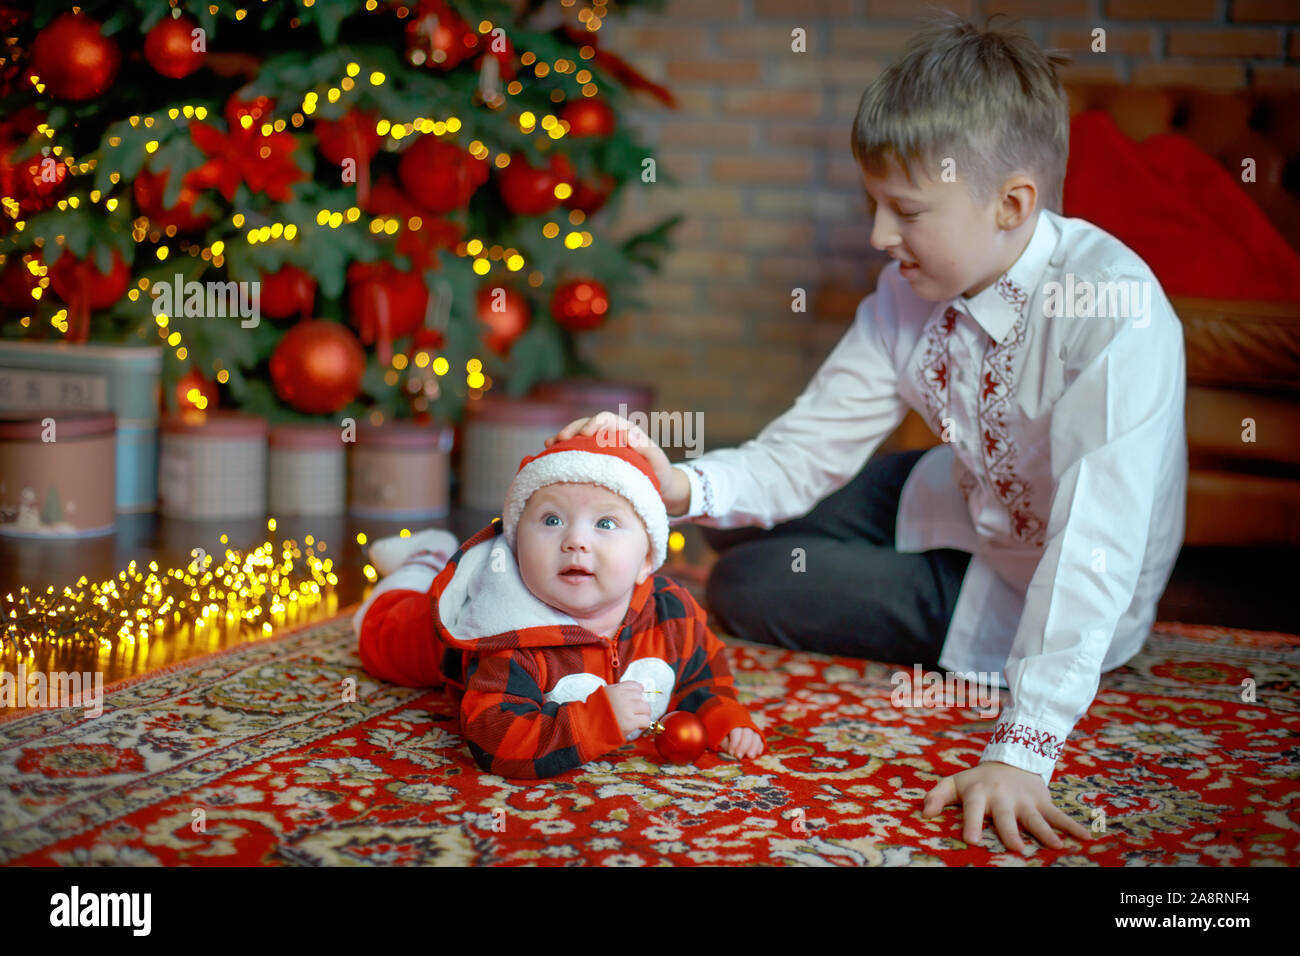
597 460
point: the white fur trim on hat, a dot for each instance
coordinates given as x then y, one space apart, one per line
585 467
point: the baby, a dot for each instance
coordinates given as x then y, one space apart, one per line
552 625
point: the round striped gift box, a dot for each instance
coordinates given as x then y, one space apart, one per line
213 465
308 470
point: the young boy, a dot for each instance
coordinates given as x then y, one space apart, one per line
1035 541
550 624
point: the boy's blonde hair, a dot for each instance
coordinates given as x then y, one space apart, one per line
990 100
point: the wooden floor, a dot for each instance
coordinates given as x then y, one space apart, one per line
1244 588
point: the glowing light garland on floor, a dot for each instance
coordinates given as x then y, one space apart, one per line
256 590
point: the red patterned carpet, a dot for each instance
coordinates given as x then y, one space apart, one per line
252 756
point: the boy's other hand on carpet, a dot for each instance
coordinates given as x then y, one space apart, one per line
631 709
743 743
1010 796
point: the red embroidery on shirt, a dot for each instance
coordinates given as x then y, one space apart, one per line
999 448
1036 741
933 371
1013 293
967 483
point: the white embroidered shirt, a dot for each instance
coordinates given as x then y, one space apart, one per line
1058 392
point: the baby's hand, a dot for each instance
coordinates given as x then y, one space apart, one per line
743 743
630 706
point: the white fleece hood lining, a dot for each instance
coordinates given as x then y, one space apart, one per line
481 602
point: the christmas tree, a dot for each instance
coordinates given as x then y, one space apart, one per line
323 209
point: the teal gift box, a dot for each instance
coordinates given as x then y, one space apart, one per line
121 379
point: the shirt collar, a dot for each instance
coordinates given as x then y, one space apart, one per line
998 307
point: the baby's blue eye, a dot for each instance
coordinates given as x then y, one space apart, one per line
547 519
610 520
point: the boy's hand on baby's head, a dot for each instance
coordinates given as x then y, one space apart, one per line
631 709
674 487
743 743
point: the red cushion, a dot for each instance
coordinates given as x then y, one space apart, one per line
1189 218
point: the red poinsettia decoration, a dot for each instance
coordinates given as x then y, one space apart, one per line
264 163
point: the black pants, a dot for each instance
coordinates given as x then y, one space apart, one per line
855 596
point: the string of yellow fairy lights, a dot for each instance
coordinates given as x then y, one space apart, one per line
253 592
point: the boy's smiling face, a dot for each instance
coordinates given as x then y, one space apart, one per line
569 526
947 243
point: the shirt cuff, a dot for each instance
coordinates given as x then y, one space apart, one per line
701 495
1029 745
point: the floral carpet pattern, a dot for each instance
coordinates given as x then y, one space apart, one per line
285 752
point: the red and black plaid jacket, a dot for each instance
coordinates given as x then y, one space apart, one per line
504 677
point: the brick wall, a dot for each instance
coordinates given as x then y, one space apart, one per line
759 151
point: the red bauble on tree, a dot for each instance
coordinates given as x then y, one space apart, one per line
680 736
317 367
436 37
528 191
589 198
84 288
17 282
580 304
588 117
426 340
439 176
352 136
505 312
150 188
196 392
169 47
498 46
289 292
36 182
73 58
385 304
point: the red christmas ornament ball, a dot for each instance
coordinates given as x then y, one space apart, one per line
504 326
352 136
207 389
17 282
37 182
588 117
580 304
439 176
150 188
590 199
426 340
437 37
528 191
683 737
289 292
70 277
169 47
317 367
505 56
385 304
73 58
